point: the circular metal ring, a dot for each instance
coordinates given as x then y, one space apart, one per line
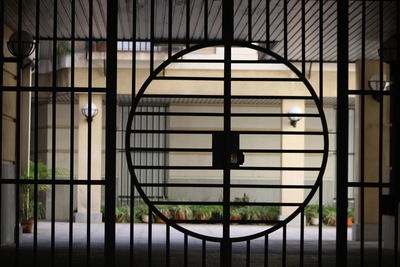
279 59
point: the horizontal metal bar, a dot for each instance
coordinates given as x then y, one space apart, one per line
209 114
261 79
222 61
300 151
211 221
368 92
214 203
61 182
198 221
162 149
51 89
221 185
222 97
255 221
237 79
212 132
188 78
367 184
233 168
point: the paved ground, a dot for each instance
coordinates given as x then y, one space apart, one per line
176 247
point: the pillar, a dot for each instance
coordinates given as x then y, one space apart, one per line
292 159
96 166
371 153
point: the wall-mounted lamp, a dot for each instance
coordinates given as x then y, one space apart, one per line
27 45
375 84
85 111
294 119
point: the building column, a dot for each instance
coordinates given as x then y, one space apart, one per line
96 166
371 153
292 159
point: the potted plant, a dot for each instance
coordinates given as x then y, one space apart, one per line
182 212
216 212
202 213
122 214
251 213
312 214
350 216
235 213
165 210
27 193
142 213
329 215
99 46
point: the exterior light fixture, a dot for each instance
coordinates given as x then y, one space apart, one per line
375 84
27 45
85 111
294 119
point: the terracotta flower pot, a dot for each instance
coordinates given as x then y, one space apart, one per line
27 226
118 218
201 217
235 218
349 221
165 213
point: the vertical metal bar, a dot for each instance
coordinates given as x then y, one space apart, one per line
227 32
151 36
285 31
167 246
380 164
395 126
158 155
187 23
248 253
321 99
169 28
267 23
362 135
72 138
18 138
53 132
150 239
89 140
302 238
342 131
249 23
266 251
303 37
133 95
206 20
36 140
203 253
284 246
1 110
111 111
185 251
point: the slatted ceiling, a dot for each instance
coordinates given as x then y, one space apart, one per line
215 23
127 99
215 20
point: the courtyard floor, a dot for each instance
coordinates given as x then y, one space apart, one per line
176 246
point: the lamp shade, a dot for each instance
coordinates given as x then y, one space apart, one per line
27 45
375 82
294 110
93 112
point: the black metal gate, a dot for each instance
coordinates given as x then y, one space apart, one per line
73 41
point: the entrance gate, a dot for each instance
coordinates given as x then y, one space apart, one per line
359 37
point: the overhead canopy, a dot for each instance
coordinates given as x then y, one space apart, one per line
214 21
